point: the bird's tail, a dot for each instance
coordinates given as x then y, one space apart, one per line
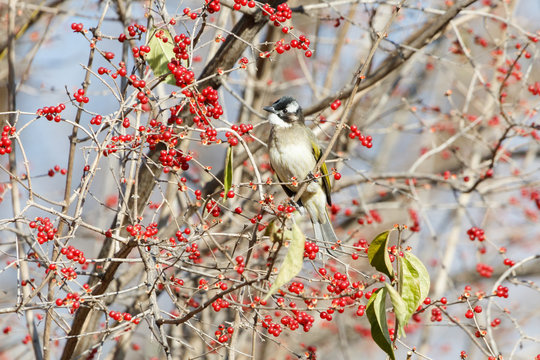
324 231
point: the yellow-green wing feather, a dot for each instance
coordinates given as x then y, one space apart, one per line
324 170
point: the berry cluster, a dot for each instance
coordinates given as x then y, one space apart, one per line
96 120
56 170
182 76
209 135
140 51
192 15
496 322
203 284
102 70
478 40
508 262
179 236
533 195
52 112
516 73
118 316
158 132
134 30
221 285
213 208
310 250
176 283
241 130
112 147
73 254
296 287
415 219
243 62
502 291
133 78
279 15
79 96
285 209
339 283
223 335
359 246
77 27
212 6
302 44
220 304
174 159
361 310
476 233
73 299
369 218
365 140
141 232
182 45
534 88
174 119
5 141
339 304
207 106
436 315
335 105
281 47
484 270
68 273
300 318
240 266
193 251
239 3
45 228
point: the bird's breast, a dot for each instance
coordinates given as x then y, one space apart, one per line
291 156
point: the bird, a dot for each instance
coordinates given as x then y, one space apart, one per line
294 151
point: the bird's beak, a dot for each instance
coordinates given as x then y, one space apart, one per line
269 109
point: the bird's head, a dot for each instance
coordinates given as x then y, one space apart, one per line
285 112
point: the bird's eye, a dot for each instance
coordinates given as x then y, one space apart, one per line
285 111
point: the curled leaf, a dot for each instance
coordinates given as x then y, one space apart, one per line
413 282
378 255
292 264
422 275
400 308
161 54
227 180
376 313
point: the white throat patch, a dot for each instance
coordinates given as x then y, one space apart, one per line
277 121
292 108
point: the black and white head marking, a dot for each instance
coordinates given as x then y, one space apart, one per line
284 112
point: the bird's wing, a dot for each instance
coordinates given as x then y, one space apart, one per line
288 191
324 170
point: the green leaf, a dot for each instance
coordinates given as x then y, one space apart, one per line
160 54
293 260
376 313
378 255
400 309
227 180
413 282
408 285
422 274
